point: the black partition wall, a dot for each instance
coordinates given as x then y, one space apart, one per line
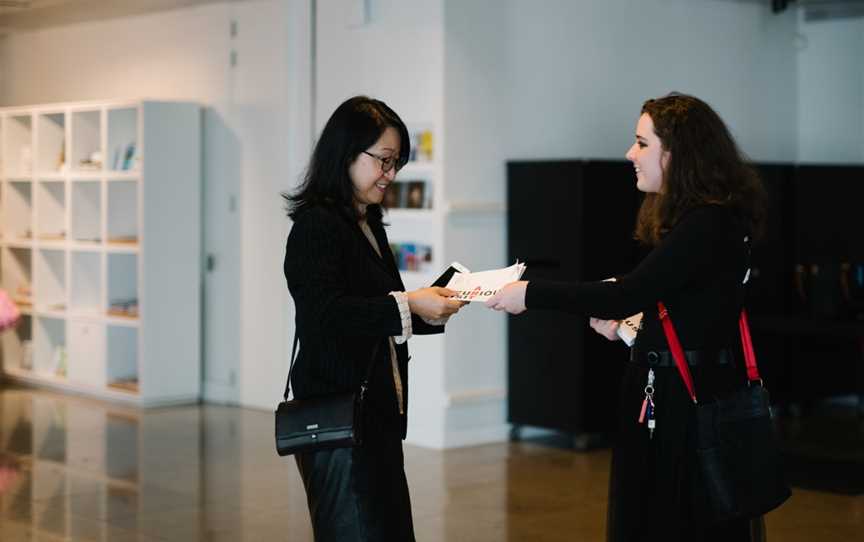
573 220
567 220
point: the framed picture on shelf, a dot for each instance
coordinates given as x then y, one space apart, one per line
416 195
392 196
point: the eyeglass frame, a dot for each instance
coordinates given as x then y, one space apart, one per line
394 161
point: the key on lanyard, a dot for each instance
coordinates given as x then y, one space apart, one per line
648 405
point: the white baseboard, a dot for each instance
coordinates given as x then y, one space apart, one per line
220 393
470 418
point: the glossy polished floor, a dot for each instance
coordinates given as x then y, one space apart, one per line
91 471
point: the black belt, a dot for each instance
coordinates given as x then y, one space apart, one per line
663 358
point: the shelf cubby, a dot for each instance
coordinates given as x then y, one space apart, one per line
18 146
51 137
18 210
17 265
86 344
49 346
86 211
50 280
122 227
123 285
123 152
85 285
86 148
51 215
123 358
18 345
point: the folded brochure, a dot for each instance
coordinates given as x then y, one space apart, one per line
482 285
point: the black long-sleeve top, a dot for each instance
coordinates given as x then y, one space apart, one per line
696 270
344 312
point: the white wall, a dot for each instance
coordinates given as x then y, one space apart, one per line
256 128
499 80
831 91
397 56
564 79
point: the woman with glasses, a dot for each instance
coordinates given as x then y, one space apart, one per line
352 311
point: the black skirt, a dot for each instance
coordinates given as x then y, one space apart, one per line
650 481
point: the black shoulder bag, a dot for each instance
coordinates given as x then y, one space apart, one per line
321 423
738 470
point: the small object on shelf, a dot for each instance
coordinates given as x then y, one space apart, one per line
410 194
23 295
392 195
416 195
412 256
59 236
124 240
128 157
124 308
61 159
422 144
125 384
27 355
58 361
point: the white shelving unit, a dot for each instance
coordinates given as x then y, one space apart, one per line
100 248
419 224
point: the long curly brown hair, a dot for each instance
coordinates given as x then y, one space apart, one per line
705 166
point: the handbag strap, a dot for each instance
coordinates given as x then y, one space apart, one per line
363 387
678 351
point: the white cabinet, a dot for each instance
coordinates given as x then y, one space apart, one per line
100 245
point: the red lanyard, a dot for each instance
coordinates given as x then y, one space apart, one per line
678 352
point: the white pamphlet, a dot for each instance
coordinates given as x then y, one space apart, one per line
482 285
628 328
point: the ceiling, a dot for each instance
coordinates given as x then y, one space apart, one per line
30 14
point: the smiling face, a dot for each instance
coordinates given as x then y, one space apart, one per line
366 172
648 156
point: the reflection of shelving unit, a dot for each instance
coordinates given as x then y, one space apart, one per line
88 226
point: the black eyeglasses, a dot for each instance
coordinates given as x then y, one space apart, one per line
386 163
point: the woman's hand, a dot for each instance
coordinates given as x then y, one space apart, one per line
433 303
607 328
510 298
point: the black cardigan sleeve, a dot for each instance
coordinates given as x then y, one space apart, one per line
316 268
687 253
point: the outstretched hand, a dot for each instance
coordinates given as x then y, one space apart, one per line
510 298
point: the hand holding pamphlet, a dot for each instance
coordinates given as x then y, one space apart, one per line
628 328
478 286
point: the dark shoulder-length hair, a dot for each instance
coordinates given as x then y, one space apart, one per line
354 127
705 166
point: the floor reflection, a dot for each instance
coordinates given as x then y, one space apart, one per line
90 471
86 470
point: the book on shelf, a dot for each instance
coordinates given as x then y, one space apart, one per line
412 256
409 194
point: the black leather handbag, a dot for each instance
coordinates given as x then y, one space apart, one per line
321 423
737 470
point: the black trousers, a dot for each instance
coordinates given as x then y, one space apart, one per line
358 494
